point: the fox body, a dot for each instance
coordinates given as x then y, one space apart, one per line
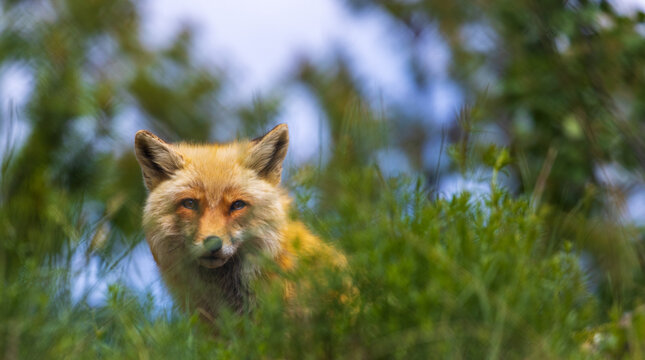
213 211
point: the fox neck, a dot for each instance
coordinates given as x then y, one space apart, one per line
229 283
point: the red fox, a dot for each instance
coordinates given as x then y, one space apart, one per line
212 209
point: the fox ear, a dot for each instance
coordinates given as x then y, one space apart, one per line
266 154
157 159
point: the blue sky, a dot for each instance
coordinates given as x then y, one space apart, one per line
258 43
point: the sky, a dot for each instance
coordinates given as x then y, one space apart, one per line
259 40
259 43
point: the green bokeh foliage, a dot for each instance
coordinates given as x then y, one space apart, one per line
504 274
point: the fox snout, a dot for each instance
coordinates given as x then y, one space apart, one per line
212 252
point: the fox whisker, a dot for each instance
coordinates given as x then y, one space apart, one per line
174 248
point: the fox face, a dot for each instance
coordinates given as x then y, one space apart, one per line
209 204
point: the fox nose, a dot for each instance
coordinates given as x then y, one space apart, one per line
213 243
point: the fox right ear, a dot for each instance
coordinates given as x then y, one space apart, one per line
158 160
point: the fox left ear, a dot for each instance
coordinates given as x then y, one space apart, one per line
266 154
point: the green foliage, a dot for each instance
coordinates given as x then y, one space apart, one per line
558 83
548 270
462 277
554 75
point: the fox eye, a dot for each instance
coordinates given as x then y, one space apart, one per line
189 204
237 205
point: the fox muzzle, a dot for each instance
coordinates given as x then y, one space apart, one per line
210 252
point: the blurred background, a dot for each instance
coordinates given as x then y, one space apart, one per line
541 100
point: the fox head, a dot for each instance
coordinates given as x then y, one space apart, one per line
208 203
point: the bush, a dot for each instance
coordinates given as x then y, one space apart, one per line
465 277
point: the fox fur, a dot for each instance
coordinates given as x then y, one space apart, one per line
231 193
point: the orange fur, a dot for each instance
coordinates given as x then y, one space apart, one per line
193 191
